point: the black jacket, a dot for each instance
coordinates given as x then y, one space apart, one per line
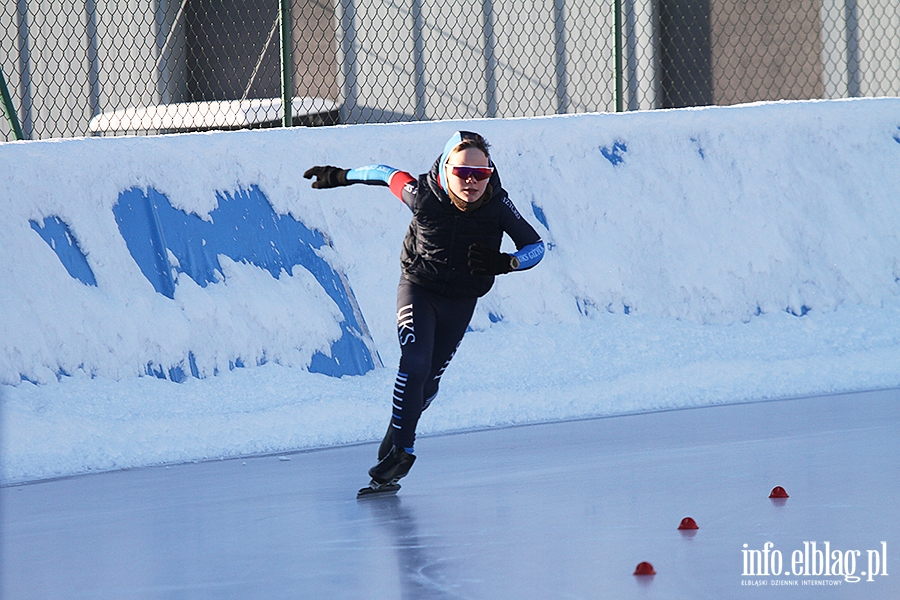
435 250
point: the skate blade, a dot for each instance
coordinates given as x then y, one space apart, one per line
375 489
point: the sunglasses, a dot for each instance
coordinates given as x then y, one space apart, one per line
465 172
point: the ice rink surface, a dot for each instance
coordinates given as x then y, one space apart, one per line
563 510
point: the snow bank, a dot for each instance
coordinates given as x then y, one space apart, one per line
695 256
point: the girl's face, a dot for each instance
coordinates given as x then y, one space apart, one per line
469 189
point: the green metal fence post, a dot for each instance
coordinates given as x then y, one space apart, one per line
9 109
617 34
287 87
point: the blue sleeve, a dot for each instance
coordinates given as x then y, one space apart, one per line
530 255
401 183
372 174
530 247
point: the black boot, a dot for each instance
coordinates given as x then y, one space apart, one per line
387 443
392 467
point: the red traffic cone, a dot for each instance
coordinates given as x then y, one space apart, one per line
778 492
688 523
644 568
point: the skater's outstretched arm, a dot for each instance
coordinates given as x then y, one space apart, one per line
383 175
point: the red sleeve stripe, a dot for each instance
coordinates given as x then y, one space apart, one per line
398 181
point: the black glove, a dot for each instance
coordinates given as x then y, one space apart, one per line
487 261
327 177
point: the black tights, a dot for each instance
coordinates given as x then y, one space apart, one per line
430 328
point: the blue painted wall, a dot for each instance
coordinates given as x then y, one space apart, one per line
245 228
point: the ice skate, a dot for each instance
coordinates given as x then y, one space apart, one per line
388 472
392 467
377 489
387 443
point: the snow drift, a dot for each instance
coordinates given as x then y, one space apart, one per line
690 222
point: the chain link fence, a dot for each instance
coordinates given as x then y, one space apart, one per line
107 67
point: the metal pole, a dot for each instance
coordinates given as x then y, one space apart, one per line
350 111
9 109
490 61
419 60
617 34
631 56
287 87
851 16
24 69
559 19
93 56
